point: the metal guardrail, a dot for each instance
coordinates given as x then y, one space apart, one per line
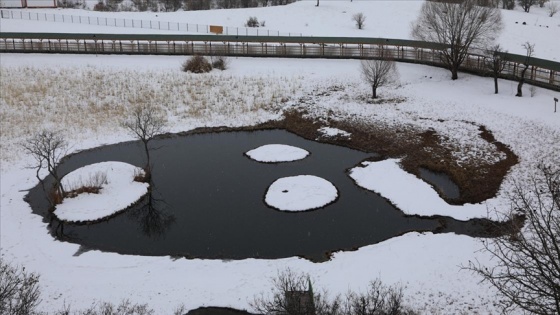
541 72
135 23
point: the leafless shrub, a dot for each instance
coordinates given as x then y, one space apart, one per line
533 90
379 72
105 308
140 176
379 299
552 8
19 290
180 310
360 19
197 64
527 259
252 22
48 148
220 62
293 294
92 185
459 26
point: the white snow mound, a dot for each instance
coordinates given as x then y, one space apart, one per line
272 153
300 193
117 193
333 132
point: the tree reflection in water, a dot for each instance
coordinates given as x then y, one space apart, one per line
152 215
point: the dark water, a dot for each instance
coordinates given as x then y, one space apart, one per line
207 202
441 182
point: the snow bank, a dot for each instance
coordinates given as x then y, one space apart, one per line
117 193
300 193
409 193
271 153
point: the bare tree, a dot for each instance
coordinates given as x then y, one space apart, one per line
460 26
359 18
527 270
19 290
145 122
529 50
48 148
379 72
495 63
526 4
552 8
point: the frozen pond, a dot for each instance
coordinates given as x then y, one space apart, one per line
208 202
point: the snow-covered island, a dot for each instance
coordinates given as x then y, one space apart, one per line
118 191
275 153
300 193
409 193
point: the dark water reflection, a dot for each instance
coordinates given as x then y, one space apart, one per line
442 182
207 202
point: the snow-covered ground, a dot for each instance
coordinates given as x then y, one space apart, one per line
87 97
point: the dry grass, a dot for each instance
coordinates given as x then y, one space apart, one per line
92 185
88 100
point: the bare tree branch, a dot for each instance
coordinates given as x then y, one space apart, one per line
527 268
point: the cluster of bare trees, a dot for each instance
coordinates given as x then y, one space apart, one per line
48 147
293 294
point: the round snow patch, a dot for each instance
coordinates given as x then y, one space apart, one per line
300 193
272 153
117 190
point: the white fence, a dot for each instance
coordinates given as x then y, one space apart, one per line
132 23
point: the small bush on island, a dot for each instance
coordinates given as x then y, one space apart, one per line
197 64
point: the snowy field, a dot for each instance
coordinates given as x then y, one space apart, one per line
87 97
